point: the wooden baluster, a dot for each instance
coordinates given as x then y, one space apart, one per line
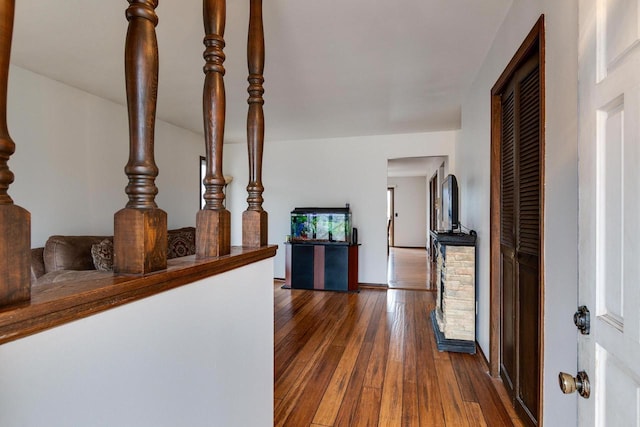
15 222
140 241
254 219
213 222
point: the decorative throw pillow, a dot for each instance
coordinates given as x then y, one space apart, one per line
102 254
181 242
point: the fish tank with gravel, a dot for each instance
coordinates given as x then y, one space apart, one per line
311 225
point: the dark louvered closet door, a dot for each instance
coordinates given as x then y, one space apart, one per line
508 242
520 238
528 241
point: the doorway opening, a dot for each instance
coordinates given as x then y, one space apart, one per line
412 212
390 212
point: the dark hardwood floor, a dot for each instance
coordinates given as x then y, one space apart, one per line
369 359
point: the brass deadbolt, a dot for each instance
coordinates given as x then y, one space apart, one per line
570 384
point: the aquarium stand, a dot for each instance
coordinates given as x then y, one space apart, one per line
322 266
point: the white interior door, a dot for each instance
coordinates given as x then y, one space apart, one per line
609 228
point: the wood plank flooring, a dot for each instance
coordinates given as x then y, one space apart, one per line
409 268
369 359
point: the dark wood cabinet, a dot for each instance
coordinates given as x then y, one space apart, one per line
323 266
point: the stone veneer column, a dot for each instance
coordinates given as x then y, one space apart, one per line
456 316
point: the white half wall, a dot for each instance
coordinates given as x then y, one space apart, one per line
410 203
330 173
71 150
560 190
198 355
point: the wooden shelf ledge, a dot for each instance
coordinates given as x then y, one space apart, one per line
55 304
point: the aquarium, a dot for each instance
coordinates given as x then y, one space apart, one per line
321 225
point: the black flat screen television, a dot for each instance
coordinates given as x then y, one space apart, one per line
450 221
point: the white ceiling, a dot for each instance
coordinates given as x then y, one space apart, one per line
414 166
333 68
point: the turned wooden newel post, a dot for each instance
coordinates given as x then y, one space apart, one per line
213 222
15 222
140 241
254 219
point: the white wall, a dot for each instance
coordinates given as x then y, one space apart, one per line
561 193
329 173
198 355
71 149
410 203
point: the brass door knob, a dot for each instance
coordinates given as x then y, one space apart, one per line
569 384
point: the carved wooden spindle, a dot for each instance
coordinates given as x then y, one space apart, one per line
213 222
140 241
254 219
15 222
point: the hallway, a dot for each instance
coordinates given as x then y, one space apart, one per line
369 359
409 268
